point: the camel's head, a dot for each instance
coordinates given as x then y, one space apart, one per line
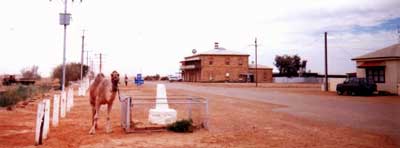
114 80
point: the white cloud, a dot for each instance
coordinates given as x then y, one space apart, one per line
153 36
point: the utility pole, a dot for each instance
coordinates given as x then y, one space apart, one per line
255 75
398 33
326 61
100 63
65 21
83 49
65 44
87 58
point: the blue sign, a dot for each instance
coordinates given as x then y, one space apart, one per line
139 80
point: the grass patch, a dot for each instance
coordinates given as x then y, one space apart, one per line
20 93
181 126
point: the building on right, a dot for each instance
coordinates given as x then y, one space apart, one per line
381 66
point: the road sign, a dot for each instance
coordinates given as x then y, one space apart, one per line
139 80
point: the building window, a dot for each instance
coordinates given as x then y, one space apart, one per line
240 61
375 74
227 61
210 62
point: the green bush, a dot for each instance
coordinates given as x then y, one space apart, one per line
8 98
72 72
181 126
20 93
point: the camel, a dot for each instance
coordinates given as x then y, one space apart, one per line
103 91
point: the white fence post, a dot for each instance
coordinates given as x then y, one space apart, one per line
39 123
46 128
56 107
80 90
72 97
63 104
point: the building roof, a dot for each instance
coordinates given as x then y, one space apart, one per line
221 51
259 66
391 52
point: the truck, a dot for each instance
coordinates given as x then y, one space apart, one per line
356 86
10 79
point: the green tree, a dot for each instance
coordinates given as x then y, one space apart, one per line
289 65
72 72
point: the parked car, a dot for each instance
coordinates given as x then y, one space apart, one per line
356 86
173 78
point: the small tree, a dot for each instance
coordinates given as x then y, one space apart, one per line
289 65
31 73
72 72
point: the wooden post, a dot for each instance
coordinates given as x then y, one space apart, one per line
326 61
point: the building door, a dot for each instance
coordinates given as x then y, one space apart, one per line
251 78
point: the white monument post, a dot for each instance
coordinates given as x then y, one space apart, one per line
72 97
46 126
56 107
63 104
69 99
162 114
39 123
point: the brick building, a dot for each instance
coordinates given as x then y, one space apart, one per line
222 65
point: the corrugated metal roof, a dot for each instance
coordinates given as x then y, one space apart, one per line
384 53
259 66
221 51
192 59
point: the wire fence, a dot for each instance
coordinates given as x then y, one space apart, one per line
135 111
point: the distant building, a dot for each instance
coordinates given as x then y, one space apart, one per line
382 66
222 65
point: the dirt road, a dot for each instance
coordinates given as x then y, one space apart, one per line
379 114
233 123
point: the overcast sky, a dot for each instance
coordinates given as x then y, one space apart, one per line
152 36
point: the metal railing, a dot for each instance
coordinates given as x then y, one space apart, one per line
135 110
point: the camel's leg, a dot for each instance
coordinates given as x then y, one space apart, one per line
109 128
93 114
96 116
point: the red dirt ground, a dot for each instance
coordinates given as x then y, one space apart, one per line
233 123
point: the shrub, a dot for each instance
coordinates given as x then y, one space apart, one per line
8 98
72 72
20 93
31 73
181 126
